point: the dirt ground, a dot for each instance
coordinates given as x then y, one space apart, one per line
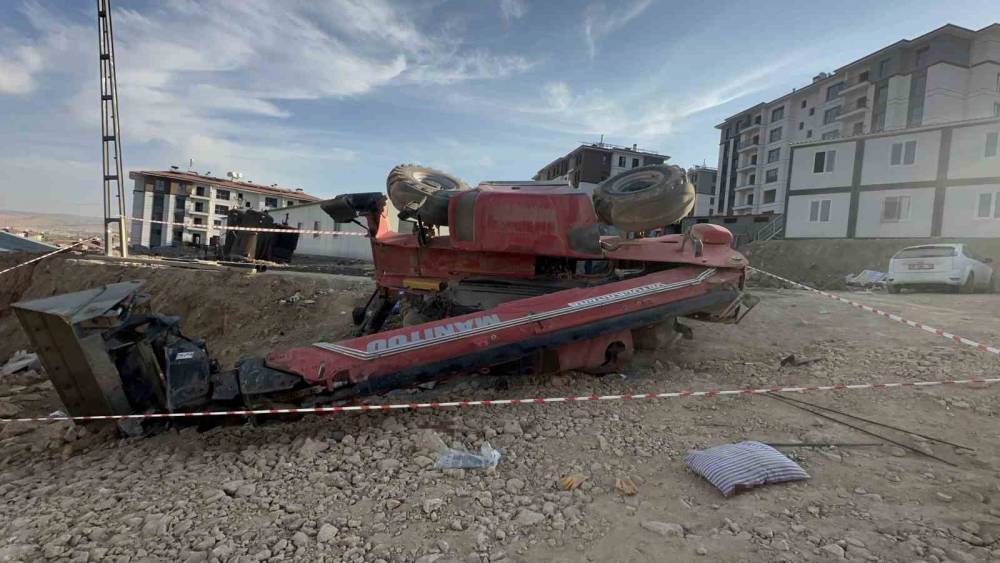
359 487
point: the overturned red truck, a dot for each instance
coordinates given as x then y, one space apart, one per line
505 277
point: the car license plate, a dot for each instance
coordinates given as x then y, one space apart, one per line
921 266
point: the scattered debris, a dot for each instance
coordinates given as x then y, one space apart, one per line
735 467
626 487
572 481
866 279
20 361
791 360
458 459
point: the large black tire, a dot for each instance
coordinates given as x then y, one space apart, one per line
645 198
422 193
970 284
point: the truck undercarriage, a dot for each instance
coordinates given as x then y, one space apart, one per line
521 282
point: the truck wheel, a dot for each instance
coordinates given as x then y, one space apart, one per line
970 284
644 198
422 193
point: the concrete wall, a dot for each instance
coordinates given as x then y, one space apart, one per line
803 177
877 169
797 224
968 153
918 223
947 89
960 212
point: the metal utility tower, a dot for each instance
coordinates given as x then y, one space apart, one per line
111 147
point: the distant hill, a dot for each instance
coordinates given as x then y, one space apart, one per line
56 225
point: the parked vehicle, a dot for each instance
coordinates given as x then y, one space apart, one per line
941 265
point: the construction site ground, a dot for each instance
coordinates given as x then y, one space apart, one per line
360 487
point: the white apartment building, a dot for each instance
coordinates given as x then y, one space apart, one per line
947 76
196 205
704 179
928 181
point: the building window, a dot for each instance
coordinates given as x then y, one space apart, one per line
752 180
830 115
222 194
989 205
819 211
750 198
270 202
753 159
920 60
996 109
991 144
771 176
635 162
159 185
824 161
858 129
197 220
833 91
903 153
199 190
802 125
769 196
812 111
221 210
778 114
218 223
835 134
895 208
863 77
803 104
809 134
774 135
773 155
199 207
316 228
289 203
621 161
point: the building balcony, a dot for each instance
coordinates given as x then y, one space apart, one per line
205 197
746 187
743 207
746 167
747 145
203 212
750 127
856 86
202 227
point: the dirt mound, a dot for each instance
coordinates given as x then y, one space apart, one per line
824 263
237 311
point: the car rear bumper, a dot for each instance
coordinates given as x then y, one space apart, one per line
952 277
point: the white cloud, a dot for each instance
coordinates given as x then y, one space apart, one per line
207 80
600 21
513 9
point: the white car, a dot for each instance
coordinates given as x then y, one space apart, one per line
951 265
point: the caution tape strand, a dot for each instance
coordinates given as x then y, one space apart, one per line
44 256
709 393
250 229
892 317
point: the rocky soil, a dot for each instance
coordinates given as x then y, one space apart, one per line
361 487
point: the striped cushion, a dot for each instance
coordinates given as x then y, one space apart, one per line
733 467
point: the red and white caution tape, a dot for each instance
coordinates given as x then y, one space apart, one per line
253 229
888 315
501 402
44 256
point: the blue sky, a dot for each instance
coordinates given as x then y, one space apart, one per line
328 96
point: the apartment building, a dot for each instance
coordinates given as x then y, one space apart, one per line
590 164
196 205
703 178
926 181
949 75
